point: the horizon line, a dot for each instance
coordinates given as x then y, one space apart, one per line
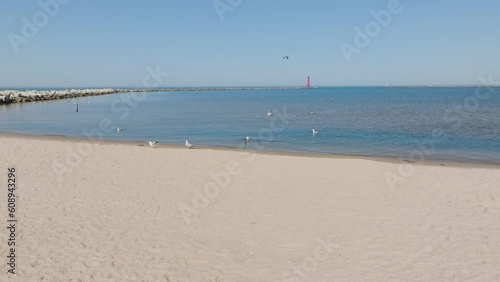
278 86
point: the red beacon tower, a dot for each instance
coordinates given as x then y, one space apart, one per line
308 82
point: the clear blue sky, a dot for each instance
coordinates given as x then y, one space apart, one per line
109 43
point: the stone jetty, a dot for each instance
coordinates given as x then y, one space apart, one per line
23 96
16 96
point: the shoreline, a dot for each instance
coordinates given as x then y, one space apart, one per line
116 211
381 159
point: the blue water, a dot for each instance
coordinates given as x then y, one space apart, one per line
454 123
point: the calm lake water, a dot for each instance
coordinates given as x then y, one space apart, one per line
439 123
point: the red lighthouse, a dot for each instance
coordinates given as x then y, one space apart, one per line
308 82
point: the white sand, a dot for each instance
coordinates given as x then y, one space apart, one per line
115 217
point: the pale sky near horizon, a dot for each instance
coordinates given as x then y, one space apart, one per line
110 43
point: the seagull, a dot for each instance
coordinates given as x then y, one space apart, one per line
312 113
270 113
247 139
315 131
189 145
153 144
286 57
76 107
118 129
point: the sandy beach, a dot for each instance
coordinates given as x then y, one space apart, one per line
127 212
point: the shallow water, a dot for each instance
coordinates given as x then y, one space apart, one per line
434 123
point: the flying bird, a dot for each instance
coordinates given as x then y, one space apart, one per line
270 113
189 145
153 144
315 131
118 129
286 57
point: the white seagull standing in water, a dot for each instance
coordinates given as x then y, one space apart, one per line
315 131
189 145
247 139
153 144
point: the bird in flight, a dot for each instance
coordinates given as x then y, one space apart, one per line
286 57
